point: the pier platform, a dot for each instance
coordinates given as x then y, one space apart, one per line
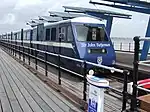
22 91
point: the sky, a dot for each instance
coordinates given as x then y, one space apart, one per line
15 13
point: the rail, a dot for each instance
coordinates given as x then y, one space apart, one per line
32 53
137 39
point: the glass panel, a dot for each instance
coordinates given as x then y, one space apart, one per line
28 35
62 33
69 34
34 34
89 33
53 34
47 34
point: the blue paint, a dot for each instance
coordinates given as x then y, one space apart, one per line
92 106
146 45
109 25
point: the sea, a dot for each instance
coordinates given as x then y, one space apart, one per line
125 44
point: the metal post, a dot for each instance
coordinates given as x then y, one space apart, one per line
129 46
85 81
29 55
59 63
19 53
46 60
120 46
125 73
36 59
15 47
135 74
22 45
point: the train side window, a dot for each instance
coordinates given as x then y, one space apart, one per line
47 34
34 37
62 33
19 36
24 35
69 34
15 36
28 35
53 34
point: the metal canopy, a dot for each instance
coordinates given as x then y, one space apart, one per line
131 5
35 22
141 6
50 18
97 11
66 15
141 3
31 24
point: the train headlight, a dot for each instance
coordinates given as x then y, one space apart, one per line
91 72
113 62
89 51
103 50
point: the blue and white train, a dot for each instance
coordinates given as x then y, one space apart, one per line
83 38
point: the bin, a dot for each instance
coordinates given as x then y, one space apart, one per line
96 93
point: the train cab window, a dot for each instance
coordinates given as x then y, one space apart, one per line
69 34
89 33
47 34
53 34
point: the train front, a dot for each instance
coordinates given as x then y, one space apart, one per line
93 43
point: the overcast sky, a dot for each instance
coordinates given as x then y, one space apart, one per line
15 13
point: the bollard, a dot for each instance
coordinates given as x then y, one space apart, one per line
96 93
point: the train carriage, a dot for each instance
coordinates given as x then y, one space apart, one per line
82 38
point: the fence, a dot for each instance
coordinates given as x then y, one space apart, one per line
135 73
22 50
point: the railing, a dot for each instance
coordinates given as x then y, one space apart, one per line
135 73
20 49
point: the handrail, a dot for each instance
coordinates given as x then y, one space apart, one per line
58 65
144 38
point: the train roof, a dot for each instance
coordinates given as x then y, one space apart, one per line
78 20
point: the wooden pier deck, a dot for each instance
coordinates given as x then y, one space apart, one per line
21 91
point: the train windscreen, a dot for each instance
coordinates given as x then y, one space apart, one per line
90 33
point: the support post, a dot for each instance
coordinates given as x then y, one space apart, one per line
29 55
85 80
125 73
46 60
146 44
129 47
36 59
22 45
135 74
59 63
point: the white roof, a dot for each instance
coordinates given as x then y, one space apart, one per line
79 20
87 20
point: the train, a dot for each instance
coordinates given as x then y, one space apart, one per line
83 38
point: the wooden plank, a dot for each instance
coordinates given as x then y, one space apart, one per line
54 106
145 102
44 106
3 96
66 106
11 96
20 98
1 109
31 103
48 100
